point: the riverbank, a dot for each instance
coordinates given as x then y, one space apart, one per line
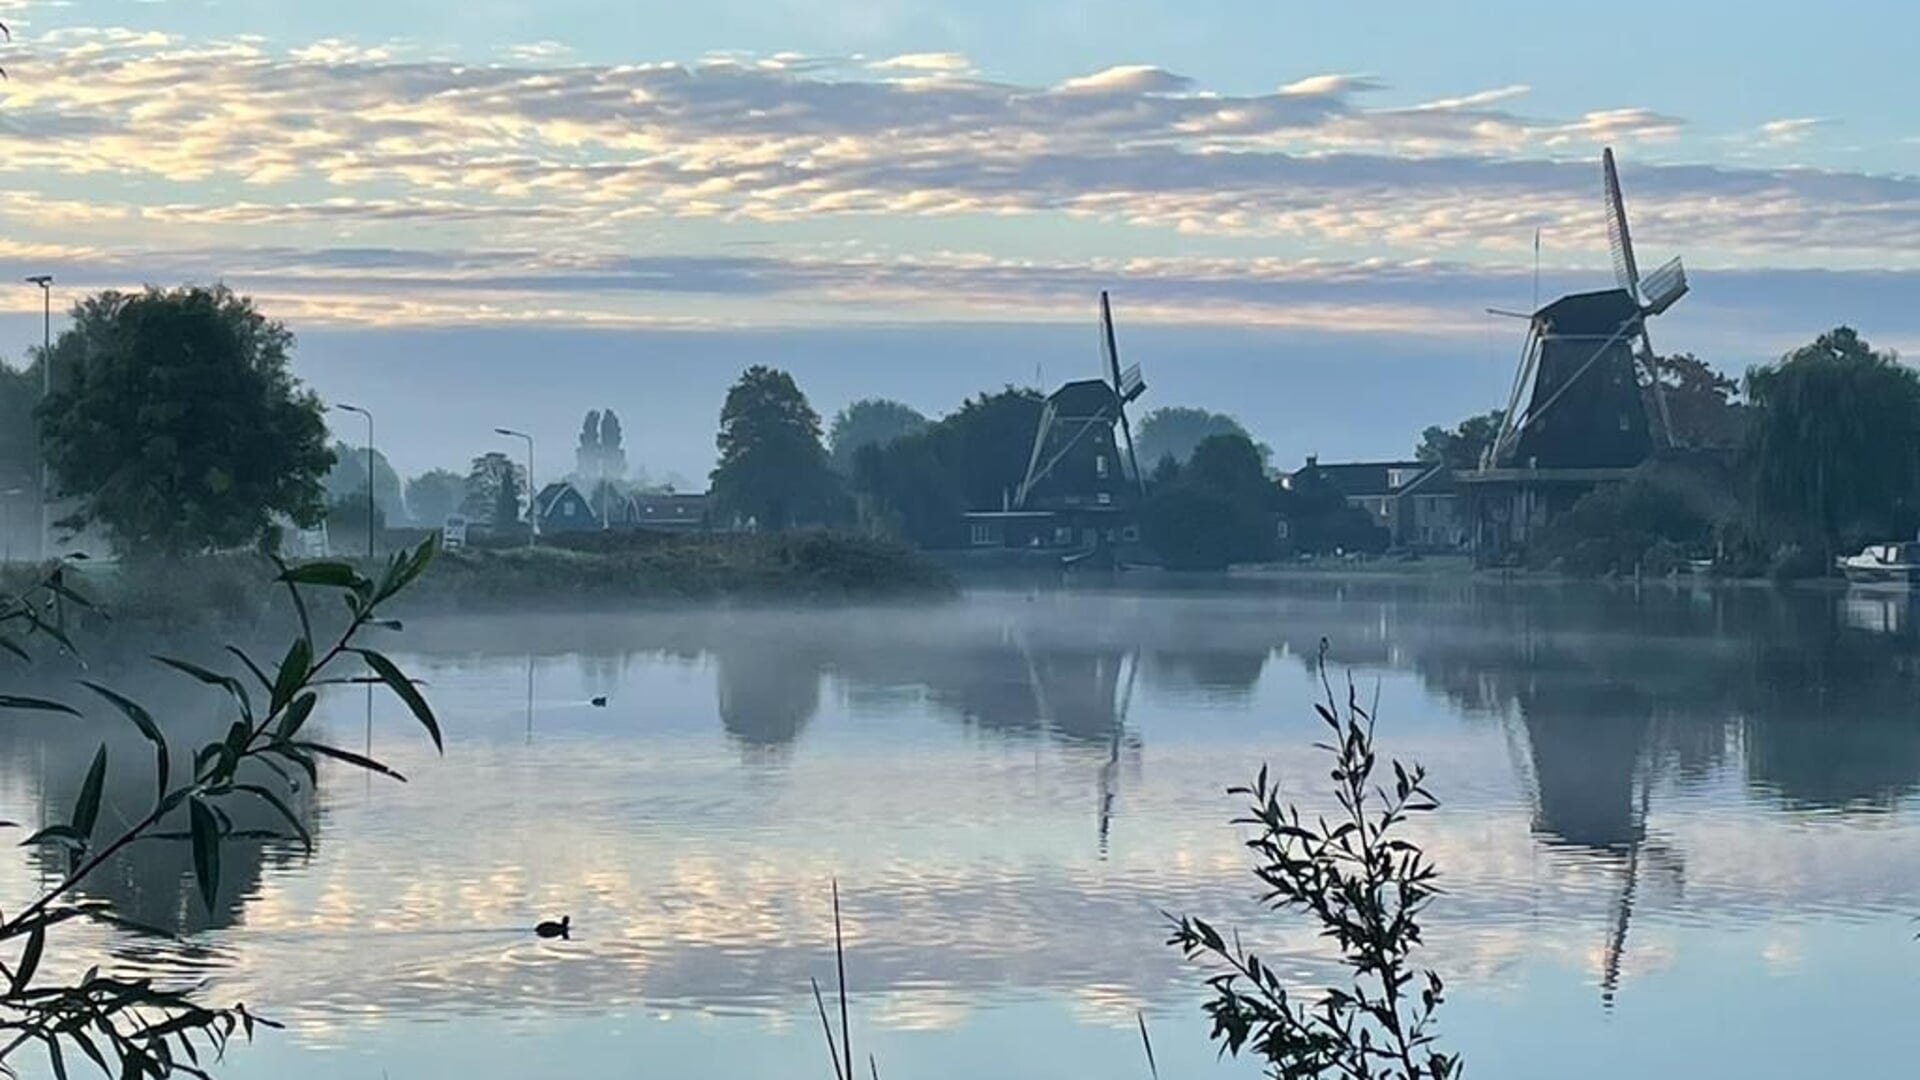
588 572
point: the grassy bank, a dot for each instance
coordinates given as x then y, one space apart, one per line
596 570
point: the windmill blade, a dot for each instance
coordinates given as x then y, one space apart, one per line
1664 287
1127 386
1652 361
1625 270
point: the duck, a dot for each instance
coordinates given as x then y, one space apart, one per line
561 929
599 702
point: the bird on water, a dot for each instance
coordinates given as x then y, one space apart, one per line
600 702
561 929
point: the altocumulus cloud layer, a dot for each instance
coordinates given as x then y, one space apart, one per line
382 186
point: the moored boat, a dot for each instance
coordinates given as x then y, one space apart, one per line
1887 565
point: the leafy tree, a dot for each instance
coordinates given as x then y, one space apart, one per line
1323 522
434 496
1177 430
1166 473
1701 402
135 1025
178 424
870 422
349 475
1461 447
496 487
599 455
347 520
1835 441
1232 466
1616 528
19 433
772 466
1194 527
972 458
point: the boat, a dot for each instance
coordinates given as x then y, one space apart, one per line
1887 565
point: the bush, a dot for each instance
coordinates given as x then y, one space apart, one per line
1618 528
1195 528
1791 562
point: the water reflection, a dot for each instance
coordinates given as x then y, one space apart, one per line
1014 786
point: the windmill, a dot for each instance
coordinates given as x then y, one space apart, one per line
1580 373
1076 461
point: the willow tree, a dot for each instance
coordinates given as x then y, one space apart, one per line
1835 440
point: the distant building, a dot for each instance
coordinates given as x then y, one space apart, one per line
1417 502
562 508
667 511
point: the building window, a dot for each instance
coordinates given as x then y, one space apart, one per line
1104 499
1626 423
1062 536
1100 466
982 534
566 508
1130 534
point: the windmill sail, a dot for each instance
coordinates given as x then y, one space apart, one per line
1626 272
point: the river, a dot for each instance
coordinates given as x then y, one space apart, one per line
1677 837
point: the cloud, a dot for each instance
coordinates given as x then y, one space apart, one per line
1789 132
944 63
1131 79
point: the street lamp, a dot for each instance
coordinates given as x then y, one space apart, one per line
369 416
533 501
6 520
45 281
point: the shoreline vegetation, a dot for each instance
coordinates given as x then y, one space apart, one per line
581 572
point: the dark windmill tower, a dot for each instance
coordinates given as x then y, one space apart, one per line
1082 475
1577 415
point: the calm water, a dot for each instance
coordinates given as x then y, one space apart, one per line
1678 834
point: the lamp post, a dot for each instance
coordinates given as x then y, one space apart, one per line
45 281
533 502
6 521
370 503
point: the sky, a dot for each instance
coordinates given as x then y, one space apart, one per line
492 213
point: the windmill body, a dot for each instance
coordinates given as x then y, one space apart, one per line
1082 487
1587 404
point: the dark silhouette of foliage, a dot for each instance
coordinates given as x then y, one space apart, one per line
1367 888
1192 527
1701 402
973 458
434 496
135 1026
496 486
1835 442
1460 447
347 520
1176 431
1321 520
349 475
177 422
772 468
870 422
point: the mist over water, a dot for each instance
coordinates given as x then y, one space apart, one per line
1660 805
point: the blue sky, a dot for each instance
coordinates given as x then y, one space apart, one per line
1294 205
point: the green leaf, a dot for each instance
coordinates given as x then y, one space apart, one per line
11 701
206 849
29 959
349 757
86 809
143 720
274 801
298 710
265 683
9 645
64 835
228 683
293 672
406 692
327 575
53 1056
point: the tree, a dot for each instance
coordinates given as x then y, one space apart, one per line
347 520
1232 466
495 487
178 424
434 496
1461 447
1323 522
1192 527
19 433
1700 401
1177 430
975 457
772 466
349 475
1835 441
870 422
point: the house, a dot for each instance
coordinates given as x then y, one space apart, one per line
562 508
666 511
1417 502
